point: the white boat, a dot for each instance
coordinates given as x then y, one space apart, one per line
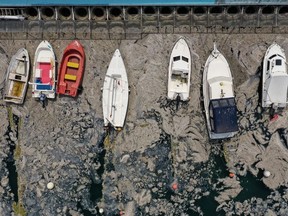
274 78
115 93
44 71
17 77
219 99
179 71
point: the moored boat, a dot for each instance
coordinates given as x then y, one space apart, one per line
44 71
71 69
219 99
17 77
115 93
274 78
179 71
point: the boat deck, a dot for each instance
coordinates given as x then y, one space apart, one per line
72 70
45 77
17 89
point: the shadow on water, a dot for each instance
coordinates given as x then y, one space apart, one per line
10 161
96 187
252 187
218 170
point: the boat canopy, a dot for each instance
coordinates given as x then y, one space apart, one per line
277 87
223 115
180 66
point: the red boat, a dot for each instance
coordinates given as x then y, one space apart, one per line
71 69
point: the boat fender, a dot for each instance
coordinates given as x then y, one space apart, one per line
174 186
274 118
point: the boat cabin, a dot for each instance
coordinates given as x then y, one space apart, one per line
276 83
223 117
276 64
180 67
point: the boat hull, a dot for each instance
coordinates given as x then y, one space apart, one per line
179 71
17 77
115 93
44 71
71 69
218 86
274 78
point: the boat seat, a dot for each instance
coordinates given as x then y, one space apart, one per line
14 76
176 72
21 59
63 84
73 65
12 97
45 59
70 77
184 75
38 73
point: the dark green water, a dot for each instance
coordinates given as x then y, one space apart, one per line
252 187
10 162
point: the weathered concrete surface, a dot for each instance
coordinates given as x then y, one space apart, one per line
133 170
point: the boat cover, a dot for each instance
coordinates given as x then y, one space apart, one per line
223 116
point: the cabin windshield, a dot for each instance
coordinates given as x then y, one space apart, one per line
278 62
185 59
176 58
223 117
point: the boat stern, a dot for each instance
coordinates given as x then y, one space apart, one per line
49 94
184 96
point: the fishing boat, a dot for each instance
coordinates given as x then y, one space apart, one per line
44 71
17 77
274 78
71 69
115 93
219 99
179 71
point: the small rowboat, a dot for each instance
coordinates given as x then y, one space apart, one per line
274 78
219 99
115 93
44 71
71 69
179 71
17 77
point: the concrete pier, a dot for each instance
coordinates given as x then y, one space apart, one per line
134 21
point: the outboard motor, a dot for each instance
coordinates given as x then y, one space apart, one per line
178 99
43 99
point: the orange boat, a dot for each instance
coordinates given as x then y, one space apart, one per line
71 69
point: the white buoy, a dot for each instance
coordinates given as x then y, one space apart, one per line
50 185
267 173
101 210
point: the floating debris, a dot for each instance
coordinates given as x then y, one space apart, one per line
101 210
267 173
50 185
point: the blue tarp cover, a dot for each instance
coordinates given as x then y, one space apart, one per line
224 117
42 87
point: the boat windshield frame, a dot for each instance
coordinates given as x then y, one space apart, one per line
223 115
